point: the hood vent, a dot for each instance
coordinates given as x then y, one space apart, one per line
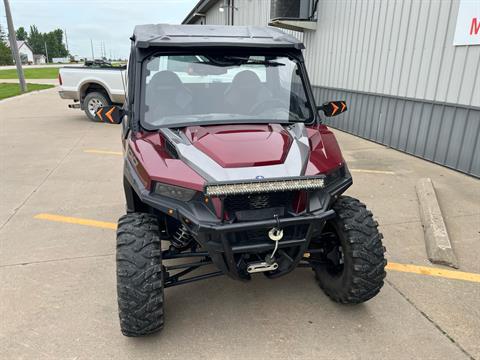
170 149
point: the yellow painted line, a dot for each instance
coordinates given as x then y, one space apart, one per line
392 266
103 152
366 171
432 271
77 221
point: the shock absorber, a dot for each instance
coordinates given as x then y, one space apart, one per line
182 237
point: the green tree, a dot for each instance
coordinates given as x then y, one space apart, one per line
3 35
53 40
36 41
5 53
21 33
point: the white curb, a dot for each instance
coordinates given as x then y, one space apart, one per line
437 241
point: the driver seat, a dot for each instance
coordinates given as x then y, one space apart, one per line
167 96
243 93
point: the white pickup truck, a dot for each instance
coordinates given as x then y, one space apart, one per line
91 86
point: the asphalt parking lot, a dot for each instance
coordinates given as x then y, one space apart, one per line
61 194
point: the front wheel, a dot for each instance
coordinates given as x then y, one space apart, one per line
348 256
139 275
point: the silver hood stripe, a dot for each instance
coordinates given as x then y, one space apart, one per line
294 165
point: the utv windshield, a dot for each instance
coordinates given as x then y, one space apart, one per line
182 90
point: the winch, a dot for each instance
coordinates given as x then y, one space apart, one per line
275 234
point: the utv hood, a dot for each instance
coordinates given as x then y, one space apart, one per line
222 153
236 146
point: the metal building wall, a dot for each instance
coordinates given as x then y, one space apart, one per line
396 47
252 12
214 16
407 86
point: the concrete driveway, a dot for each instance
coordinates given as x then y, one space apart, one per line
58 295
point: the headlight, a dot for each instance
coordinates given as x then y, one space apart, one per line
336 175
174 192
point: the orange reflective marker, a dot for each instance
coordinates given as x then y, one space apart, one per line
99 114
109 114
335 108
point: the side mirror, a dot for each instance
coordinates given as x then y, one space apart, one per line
110 114
333 108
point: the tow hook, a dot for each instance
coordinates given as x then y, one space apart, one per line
275 234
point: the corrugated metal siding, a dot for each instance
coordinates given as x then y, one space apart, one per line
214 16
407 86
252 12
396 47
444 134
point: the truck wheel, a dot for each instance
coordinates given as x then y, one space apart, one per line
349 261
93 101
139 275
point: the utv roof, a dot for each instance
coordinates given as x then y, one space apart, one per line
212 35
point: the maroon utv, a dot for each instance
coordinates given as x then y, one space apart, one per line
227 163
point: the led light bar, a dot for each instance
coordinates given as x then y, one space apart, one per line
264 186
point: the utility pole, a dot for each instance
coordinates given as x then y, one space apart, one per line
46 50
66 39
13 46
91 45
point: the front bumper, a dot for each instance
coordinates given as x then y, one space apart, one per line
225 240
224 244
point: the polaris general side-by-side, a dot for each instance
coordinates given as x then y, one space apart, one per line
227 163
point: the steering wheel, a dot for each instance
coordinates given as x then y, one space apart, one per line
262 106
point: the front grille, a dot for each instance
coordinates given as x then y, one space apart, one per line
251 207
258 201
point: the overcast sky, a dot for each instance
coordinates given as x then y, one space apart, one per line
111 21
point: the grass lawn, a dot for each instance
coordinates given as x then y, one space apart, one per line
9 90
31 73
